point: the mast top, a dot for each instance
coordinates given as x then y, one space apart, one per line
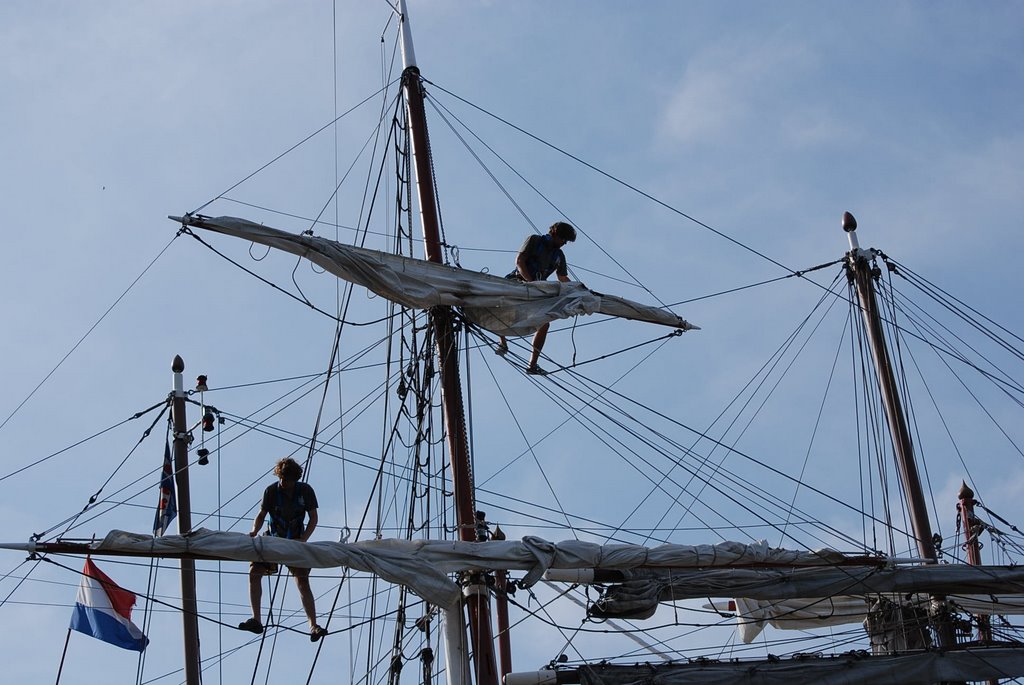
408 54
850 226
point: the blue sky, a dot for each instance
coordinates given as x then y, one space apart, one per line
764 121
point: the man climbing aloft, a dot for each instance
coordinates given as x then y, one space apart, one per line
287 502
538 258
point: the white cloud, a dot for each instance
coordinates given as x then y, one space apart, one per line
731 88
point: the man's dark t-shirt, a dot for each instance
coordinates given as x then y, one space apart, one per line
542 258
287 512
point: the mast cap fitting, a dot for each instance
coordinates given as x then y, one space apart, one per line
849 222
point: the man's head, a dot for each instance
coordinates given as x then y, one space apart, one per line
562 232
288 470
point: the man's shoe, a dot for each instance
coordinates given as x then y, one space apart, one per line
252 625
317 633
501 350
535 370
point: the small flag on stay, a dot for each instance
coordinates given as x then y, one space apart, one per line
167 507
103 610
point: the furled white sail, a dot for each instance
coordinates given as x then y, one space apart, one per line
802 614
423 565
497 304
857 668
639 597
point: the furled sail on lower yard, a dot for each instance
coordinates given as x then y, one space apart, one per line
802 614
976 663
638 597
502 306
423 565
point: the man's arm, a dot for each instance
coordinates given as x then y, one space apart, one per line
311 526
522 267
257 523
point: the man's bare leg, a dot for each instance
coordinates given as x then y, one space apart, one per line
255 592
308 602
538 344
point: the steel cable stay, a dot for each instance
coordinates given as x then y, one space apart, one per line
876 433
250 424
709 525
961 349
443 114
814 430
1008 383
971 392
93 503
764 373
631 280
866 404
376 493
768 498
628 348
928 329
600 320
932 396
87 333
600 427
150 473
597 528
616 180
136 445
292 148
81 442
885 291
887 295
867 502
944 298
529 446
747 457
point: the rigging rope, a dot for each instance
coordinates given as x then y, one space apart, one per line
87 333
613 178
291 149
92 500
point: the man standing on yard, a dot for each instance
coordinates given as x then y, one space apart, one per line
538 258
287 502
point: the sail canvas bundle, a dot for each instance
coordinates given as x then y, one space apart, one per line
639 597
423 565
977 663
801 614
499 305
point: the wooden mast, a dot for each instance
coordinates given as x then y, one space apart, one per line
972 527
189 609
860 272
477 593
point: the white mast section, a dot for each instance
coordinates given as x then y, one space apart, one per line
408 54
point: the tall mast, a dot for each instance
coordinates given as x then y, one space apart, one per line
858 267
477 593
860 272
189 610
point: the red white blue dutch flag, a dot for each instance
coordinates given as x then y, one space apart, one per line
104 611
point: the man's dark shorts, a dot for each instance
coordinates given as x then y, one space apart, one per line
264 568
